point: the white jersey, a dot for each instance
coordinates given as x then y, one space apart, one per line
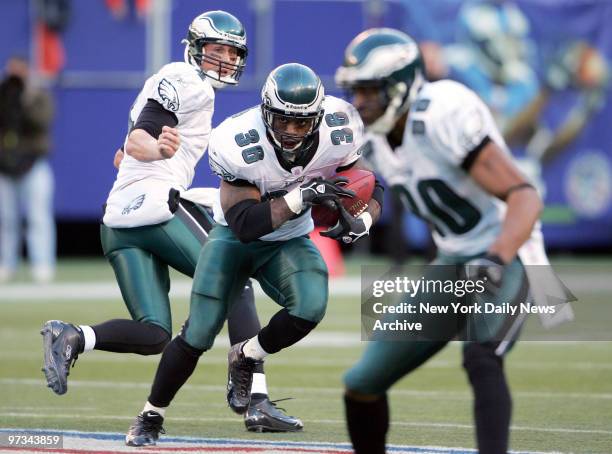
239 149
140 193
446 123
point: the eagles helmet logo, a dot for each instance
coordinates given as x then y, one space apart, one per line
168 95
134 204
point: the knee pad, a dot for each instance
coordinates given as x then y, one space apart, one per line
187 349
157 340
356 381
190 339
310 310
303 325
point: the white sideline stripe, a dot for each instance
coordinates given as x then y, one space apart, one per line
97 440
102 357
181 288
336 339
303 389
21 408
311 421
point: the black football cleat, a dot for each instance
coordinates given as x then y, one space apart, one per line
239 379
62 343
265 416
145 430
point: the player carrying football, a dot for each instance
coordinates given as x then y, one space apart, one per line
438 145
149 226
275 161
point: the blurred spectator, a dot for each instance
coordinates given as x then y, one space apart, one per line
493 53
576 66
494 56
422 21
26 180
122 9
53 17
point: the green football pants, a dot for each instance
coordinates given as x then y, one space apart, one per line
291 272
385 362
140 257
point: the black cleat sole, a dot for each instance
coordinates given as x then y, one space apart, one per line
50 367
262 429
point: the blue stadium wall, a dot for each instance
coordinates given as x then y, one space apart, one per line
91 122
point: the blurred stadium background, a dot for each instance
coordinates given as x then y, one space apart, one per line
542 65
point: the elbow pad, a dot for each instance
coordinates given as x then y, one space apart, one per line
250 219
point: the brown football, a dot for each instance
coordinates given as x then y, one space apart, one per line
361 182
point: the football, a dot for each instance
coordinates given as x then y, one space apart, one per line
361 182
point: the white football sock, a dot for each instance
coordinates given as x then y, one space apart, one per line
252 349
90 337
259 385
149 407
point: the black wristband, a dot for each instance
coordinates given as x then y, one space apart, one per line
250 219
516 187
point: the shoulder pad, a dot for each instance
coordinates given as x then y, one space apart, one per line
451 118
180 89
236 144
341 114
443 97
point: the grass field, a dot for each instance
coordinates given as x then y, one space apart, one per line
562 390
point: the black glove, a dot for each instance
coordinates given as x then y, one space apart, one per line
349 229
490 269
316 192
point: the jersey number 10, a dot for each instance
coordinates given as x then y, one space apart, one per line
448 211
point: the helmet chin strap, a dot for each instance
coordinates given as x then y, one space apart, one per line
213 79
397 106
385 122
287 153
213 76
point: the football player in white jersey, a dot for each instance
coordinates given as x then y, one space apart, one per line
149 226
275 161
438 145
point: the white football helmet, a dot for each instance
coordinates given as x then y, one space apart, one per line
221 28
390 60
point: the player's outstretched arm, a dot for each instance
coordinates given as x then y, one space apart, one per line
494 171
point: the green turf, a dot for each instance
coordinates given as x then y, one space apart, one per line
562 391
